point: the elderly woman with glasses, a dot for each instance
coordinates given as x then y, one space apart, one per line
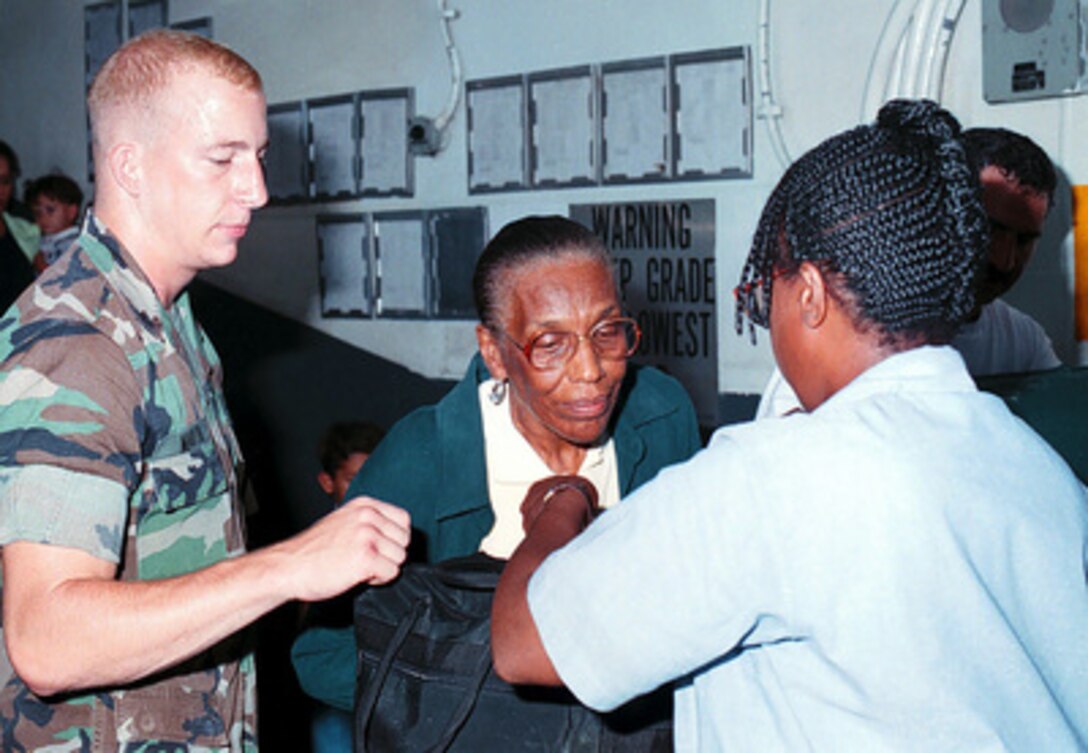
549 393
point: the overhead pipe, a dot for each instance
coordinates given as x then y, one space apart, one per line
769 110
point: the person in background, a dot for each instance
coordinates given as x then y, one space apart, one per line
56 201
127 585
1017 181
900 567
18 236
343 449
550 391
15 207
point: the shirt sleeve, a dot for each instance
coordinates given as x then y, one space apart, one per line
658 586
69 448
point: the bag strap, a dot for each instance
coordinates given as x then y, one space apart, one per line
369 701
467 704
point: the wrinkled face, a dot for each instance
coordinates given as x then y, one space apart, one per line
1016 221
7 184
52 215
202 172
573 402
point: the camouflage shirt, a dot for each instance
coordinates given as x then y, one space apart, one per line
115 439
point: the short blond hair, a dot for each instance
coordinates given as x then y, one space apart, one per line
134 75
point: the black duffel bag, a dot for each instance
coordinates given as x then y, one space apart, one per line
425 681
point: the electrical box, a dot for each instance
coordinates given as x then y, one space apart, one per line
1030 49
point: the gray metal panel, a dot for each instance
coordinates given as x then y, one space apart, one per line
387 167
563 116
457 238
712 114
497 134
635 121
343 244
334 144
286 163
402 252
1030 49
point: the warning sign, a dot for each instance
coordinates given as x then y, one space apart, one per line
663 253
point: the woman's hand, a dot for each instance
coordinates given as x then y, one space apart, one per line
573 497
554 511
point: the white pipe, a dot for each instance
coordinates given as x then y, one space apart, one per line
930 63
769 110
930 47
887 59
894 86
923 16
949 21
442 120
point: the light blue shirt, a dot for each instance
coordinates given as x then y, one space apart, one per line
902 569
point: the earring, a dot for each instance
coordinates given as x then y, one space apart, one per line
498 392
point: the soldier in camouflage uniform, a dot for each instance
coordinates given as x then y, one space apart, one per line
127 584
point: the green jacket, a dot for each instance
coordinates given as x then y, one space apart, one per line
432 463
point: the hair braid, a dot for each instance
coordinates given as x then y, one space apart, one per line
891 214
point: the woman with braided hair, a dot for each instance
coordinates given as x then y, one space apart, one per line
900 567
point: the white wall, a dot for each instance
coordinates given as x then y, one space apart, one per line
821 58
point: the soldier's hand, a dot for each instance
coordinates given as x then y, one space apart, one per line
362 541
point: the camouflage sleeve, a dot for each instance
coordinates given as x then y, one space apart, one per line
69 450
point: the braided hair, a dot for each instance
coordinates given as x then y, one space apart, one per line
520 243
890 215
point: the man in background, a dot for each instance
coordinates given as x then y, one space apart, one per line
1018 182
